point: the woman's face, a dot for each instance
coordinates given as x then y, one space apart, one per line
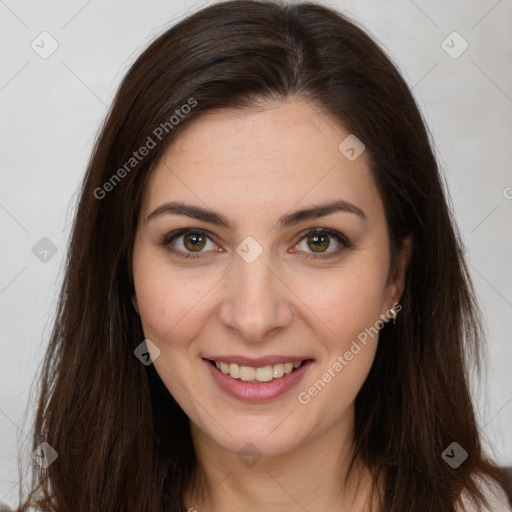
227 269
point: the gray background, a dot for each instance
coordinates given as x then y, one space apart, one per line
52 108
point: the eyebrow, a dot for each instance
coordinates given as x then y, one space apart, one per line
213 217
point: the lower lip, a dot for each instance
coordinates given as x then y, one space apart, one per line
257 392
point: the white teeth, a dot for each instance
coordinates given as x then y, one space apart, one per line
278 371
234 370
260 374
264 374
247 373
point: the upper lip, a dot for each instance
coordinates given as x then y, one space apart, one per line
258 361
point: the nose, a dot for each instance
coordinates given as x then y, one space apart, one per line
257 303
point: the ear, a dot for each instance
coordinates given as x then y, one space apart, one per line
398 269
134 302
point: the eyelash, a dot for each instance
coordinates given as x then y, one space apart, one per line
341 239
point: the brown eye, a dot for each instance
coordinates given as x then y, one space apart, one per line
194 242
318 243
189 243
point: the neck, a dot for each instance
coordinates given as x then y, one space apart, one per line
315 476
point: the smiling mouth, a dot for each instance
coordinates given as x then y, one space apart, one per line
257 375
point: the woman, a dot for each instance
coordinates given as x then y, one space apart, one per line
266 305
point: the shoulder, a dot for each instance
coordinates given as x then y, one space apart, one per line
495 495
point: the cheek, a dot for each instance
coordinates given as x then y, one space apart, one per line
347 308
172 312
342 304
346 321
170 304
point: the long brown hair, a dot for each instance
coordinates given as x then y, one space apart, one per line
123 443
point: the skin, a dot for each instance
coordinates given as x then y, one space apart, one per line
253 167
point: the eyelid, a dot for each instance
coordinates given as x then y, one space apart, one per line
167 239
342 239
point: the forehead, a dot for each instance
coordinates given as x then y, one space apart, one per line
276 156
